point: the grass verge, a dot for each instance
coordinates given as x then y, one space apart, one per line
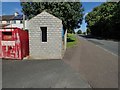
71 40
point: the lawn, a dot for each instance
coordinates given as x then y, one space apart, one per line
71 40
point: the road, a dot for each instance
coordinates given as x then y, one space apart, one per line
108 45
83 66
98 66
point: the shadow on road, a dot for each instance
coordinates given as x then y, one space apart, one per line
98 38
91 37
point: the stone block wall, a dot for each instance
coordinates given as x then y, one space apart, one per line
52 49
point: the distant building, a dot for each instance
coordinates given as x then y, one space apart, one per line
15 20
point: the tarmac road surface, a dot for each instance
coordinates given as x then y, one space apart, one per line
98 66
41 74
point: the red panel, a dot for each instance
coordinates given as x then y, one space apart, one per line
15 45
24 42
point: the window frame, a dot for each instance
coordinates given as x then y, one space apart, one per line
43 32
21 21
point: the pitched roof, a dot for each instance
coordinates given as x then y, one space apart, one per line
12 17
45 14
18 17
7 17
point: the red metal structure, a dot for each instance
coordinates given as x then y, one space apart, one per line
14 43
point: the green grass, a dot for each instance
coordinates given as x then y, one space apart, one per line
71 40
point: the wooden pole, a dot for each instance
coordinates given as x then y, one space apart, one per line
23 22
65 40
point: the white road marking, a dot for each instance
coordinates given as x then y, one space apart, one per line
106 50
100 47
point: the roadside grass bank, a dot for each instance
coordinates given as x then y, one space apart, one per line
71 40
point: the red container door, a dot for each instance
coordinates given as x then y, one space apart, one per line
8 45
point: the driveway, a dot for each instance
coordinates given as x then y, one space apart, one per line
41 74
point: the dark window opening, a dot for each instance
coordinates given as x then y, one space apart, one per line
21 21
44 34
6 36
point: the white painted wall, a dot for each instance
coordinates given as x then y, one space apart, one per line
18 24
4 22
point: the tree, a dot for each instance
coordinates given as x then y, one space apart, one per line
84 33
104 20
115 20
71 13
88 31
79 32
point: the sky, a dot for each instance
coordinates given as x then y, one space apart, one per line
88 7
9 8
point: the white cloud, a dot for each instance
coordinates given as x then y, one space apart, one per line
85 14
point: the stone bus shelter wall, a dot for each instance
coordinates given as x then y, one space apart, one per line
52 49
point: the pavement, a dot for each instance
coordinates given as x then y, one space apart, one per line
40 74
97 65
